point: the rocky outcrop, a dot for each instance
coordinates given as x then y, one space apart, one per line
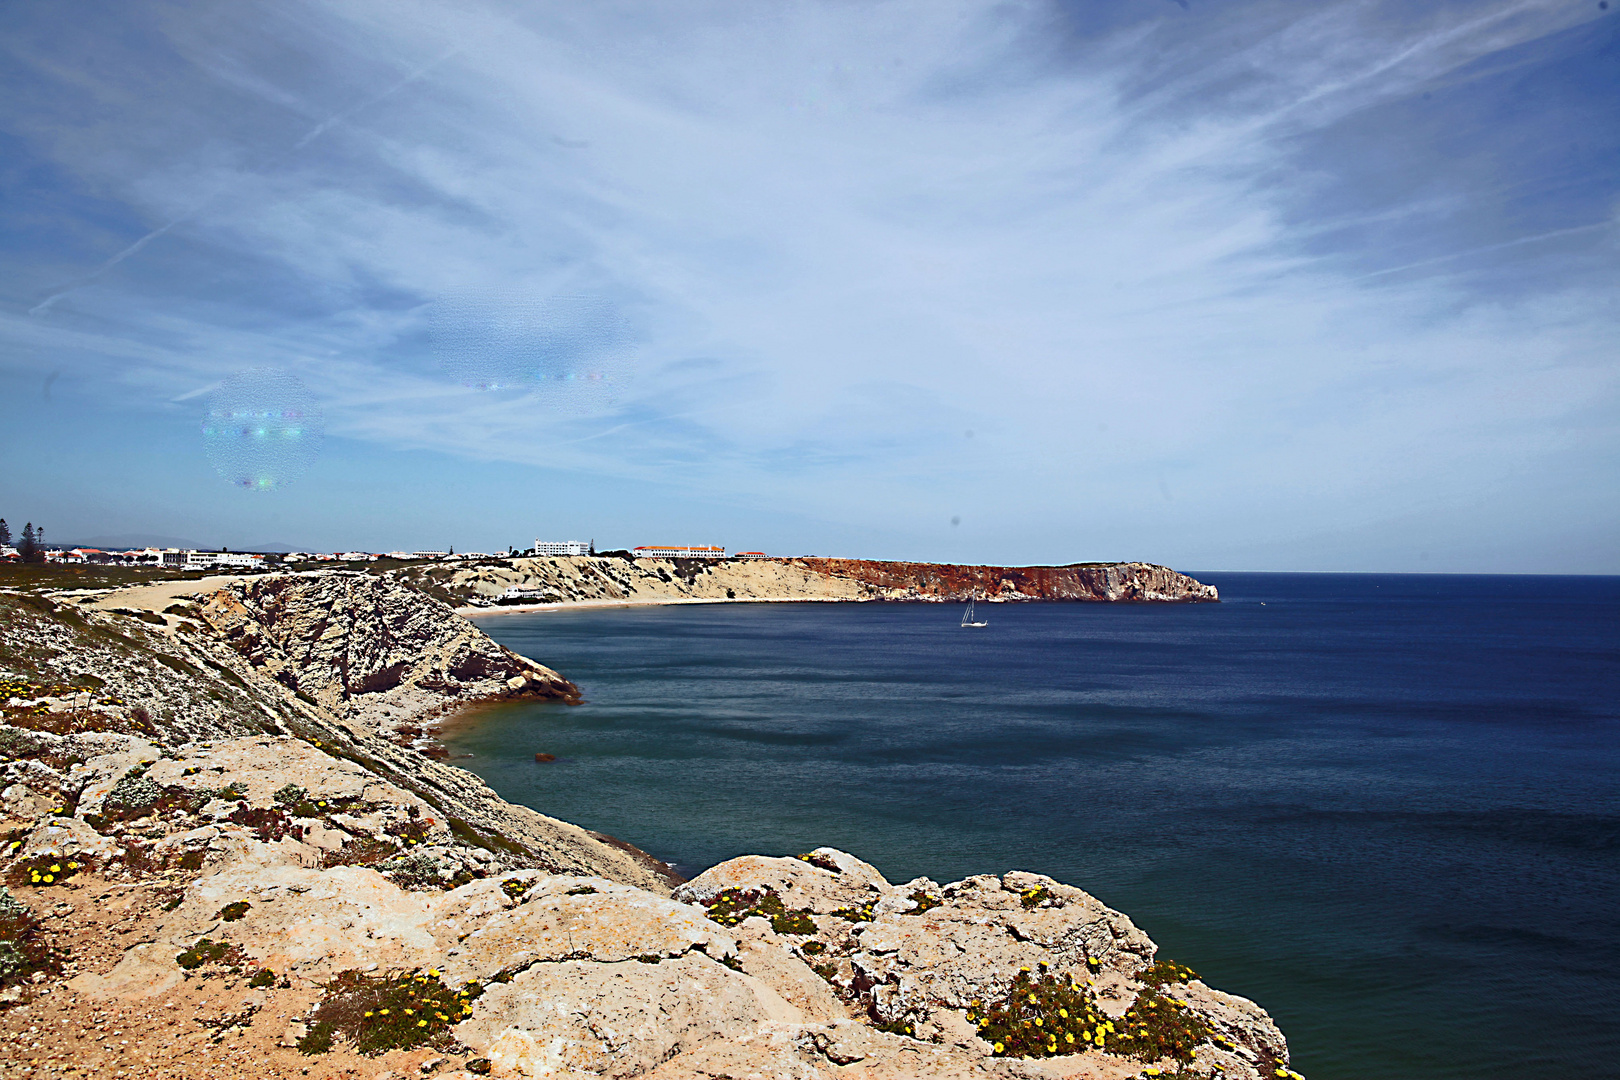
576 579
1099 582
100 673
370 650
582 976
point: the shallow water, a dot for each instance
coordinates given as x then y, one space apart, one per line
1386 807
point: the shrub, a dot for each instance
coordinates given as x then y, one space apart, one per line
860 913
364 851
42 871
1040 1016
732 906
1034 898
924 901
262 979
1167 971
233 912
516 887
207 951
23 950
397 1011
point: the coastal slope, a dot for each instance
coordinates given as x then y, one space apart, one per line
217 848
606 579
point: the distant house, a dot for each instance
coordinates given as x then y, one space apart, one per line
429 554
656 551
357 556
750 555
561 547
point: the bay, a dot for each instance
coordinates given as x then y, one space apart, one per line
1384 806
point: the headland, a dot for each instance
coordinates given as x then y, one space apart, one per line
227 844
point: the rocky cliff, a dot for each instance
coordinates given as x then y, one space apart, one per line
219 864
598 578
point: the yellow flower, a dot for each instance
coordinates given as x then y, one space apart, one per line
1037 1021
1063 1013
421 1023
56 868
368 1013
383 1011
410 1012
1000 1048
49 879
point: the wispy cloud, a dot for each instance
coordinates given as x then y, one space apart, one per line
847 235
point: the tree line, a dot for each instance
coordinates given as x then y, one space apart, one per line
31 546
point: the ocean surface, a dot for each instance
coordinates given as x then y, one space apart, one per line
1385 807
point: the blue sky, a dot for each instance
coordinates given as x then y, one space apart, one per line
1225 285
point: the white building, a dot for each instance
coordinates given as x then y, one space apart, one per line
660 551
750 555
206 560
561 547
429 554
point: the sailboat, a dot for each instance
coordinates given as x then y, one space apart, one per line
967 616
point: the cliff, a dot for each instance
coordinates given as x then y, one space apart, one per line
220 863
598 578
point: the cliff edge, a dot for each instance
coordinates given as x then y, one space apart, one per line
217 853
596 578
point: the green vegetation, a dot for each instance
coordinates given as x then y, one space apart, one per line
732 906
861 913
1043 1016
1167 971
924 901
1034 898
23 949
516 887
397 1011
262 979
43 871
233 912
208 951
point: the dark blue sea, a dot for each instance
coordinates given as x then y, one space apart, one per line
1385 807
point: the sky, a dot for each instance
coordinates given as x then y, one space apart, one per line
1220 284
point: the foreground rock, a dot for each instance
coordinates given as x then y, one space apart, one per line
290 867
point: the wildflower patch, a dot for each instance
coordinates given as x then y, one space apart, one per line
43 871
732 906
388 1012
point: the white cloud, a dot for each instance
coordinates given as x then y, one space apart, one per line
850 233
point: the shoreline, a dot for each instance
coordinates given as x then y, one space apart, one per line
565 605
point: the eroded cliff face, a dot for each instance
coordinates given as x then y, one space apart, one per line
596 578
368 649
152 669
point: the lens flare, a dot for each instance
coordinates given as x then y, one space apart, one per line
575 354
263 429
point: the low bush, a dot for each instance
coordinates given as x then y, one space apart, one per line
1044 1016
732 906
378 1013
23 949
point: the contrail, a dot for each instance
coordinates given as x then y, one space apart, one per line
1488 248
314 133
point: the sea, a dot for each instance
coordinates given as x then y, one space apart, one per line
1386 807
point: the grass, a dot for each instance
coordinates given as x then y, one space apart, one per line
378 1013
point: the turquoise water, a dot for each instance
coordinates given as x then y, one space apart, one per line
1386 807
